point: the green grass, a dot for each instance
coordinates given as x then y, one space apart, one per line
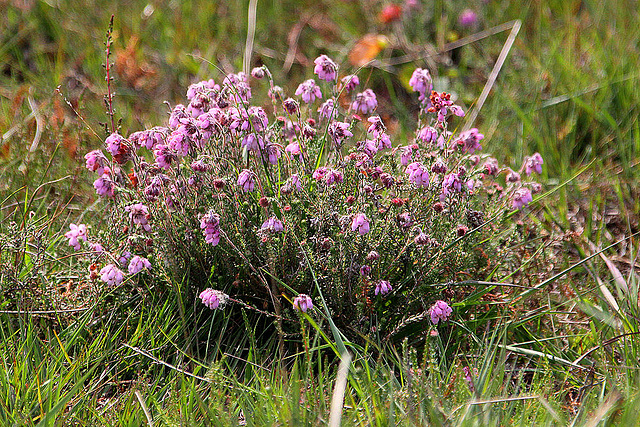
567 90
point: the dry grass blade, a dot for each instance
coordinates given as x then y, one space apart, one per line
338 392
144 408
494 74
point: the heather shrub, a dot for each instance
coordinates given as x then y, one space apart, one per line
306 202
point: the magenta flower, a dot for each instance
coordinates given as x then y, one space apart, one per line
272 225
370 148
350 82
451 182
418 174
139 214
467 18
213 298
252 142
291 106
427 134
441 104
238 87
96 161
339 132
246 180
521 198
360 223
320 173
104 186
164 156
178 112
303 302
75 234
333 177
328 109
309 91
533 164
325 68
292 184
365 102
137 264
114 143
202 87
383 287
491 166
373 256
440 312
111 275
420 82
178 142
377 125
470 140
513 176
439 167
210 225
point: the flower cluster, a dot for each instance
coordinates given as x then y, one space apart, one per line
247 197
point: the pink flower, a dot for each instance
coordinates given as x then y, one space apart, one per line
350 82
533 164
328 109
521 198
325 68
420 82
365 102
111 275
427 134
246 180
309 91
383 287
440 312
114 143
96 161
442 105
377 125
470 140
77 233
104 186
272 225
137 264
292 184
418 174
303 302
139 214
178 142
164 156
360 223
210 225
467 18
339 132
213 298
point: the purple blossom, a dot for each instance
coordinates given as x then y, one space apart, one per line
246 180
291 106
439 167
111 275
384 141
513 176
491 166
404 220
325 68
467 18
96 247
139 214
360 223
418 174
303 302
213 298
104 185
96 161
272 153
253 119
451 182
470 140
339 131
365 102
178 142
369 147
200 166
238 86
252 142
309 91
377 125
164 156
114 143
75 234
210 122
521 198
373 256
178 112
202 87
328 109
365 270
350 82
406 154
383 287
320 173
420 82
427 134
210 225
293 150
440 312
292 184
533 164
137 264
272 225
441 104
258 73
333 177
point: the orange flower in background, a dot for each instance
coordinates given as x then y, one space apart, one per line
366 49
389 13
